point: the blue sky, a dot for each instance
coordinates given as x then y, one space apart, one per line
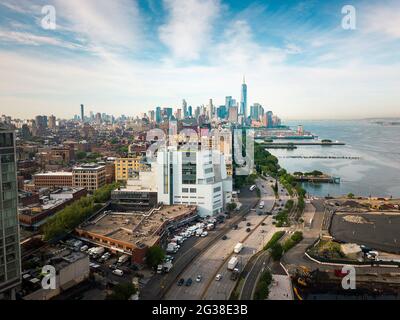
126 56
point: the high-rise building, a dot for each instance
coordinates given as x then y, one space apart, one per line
168 113
190 112
184 108
10 257
269 119
158 115
52 122
82 113
193 177
233 114
221 112
243 99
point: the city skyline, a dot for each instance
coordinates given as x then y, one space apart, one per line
130 57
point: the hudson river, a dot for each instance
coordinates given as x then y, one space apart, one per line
375 171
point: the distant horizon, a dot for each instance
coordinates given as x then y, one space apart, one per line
301 59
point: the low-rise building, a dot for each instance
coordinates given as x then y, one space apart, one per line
133 232
89 176
53 179
32 216
71 269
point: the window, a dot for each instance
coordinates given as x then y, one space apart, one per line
193 190
185 190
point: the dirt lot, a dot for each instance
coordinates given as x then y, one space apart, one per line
378 231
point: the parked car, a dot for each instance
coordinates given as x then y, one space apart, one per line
181 282
188 282
218 277
198 278
224 237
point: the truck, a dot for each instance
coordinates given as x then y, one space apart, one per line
122 259
238 247
96 252
232 263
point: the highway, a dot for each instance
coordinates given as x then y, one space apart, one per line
160 285
216 256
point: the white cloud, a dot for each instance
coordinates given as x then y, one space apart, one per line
113 24
27 38
188 30
383 19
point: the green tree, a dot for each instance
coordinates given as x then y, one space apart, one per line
350 195
155 255
80 155
276 251
122 291
231 206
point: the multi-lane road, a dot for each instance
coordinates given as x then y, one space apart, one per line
214 260
159 285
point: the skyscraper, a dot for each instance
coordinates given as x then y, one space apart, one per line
184 108
82 113
243 99
10 258
158 114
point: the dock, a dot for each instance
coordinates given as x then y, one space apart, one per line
310 143
318 179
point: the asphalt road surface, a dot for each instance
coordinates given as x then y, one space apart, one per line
160 285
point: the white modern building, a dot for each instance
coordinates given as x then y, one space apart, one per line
193 177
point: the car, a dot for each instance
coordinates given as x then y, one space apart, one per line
181 282
112 266
84 248
118 272
198 278
224 237
218 277
188 282
248 229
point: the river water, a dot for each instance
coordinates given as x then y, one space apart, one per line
375 171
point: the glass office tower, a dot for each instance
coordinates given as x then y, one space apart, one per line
10 266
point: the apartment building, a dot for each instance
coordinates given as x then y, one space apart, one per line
10 257
128 168
89 176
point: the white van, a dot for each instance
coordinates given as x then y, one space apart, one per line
253 187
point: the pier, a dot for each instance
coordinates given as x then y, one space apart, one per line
318 179
310 143
321 157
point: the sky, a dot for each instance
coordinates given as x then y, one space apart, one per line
127 56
